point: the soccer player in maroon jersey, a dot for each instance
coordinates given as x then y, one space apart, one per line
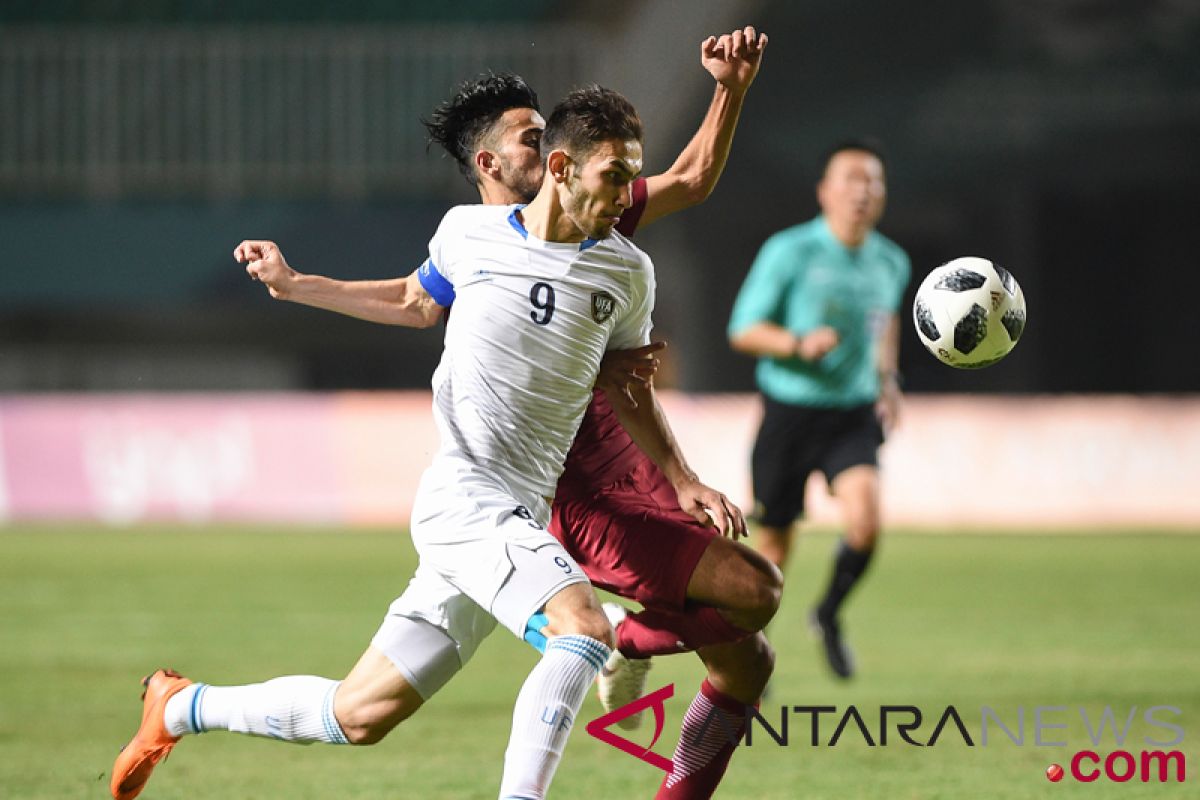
616 513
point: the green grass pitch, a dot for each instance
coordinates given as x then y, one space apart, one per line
1004 621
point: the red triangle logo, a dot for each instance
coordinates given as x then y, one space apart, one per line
599 727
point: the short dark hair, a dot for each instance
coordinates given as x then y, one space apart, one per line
588 116
864 144
461 122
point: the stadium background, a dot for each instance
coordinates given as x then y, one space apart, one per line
141 140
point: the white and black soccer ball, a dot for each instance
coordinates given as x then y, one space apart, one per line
969 312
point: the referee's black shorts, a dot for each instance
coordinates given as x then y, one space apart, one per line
795 441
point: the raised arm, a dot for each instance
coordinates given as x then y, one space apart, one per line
733 60
647 426
398 301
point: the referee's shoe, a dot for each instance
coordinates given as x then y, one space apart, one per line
837 654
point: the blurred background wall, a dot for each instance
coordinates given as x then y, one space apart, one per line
143 375
140 140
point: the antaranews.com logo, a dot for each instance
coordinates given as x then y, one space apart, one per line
1115 754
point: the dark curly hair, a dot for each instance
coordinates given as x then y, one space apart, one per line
588 116
461 122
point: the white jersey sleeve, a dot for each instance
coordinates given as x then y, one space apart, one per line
439 272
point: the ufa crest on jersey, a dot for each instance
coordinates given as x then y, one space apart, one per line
603 305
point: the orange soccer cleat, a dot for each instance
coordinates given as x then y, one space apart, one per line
152 742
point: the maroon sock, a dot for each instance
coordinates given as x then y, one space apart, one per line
711 728
656 633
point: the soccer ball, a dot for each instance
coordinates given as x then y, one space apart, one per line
969 312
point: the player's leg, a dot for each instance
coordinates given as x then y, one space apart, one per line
857 493
373 699
578 640
681 571
738 582
731 593
737 676
411 656
296 708
502 557
360 709
408 660
740 670
775 543
857 490
741 584
575 611
697 587
730 590
740 588
496 552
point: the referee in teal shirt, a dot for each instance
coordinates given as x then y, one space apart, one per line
818 311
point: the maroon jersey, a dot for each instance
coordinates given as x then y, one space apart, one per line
602 455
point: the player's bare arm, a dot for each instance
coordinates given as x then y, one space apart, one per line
768 340
647 425
733 60
888 406
403 301
398 301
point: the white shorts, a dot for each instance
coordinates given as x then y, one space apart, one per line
486 557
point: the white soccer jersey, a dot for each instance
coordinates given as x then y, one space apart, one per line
530 323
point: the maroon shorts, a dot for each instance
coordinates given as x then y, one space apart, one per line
632 539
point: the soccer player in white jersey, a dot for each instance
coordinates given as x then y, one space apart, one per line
614 511
540 292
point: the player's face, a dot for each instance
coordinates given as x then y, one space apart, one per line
598 189
853 191
521 166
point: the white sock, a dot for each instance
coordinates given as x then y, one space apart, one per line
298 708
545 711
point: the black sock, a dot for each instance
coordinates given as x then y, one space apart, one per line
848 566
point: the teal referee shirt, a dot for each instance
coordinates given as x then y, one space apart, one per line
803 278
